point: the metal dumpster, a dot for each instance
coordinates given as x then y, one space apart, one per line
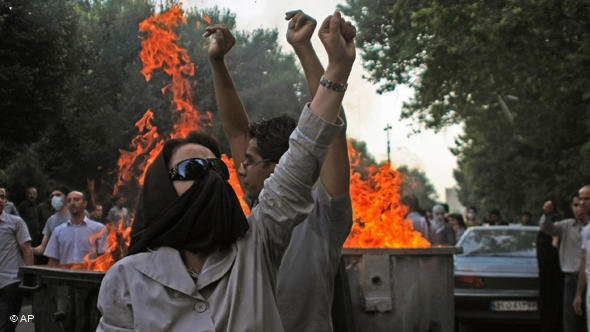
62 299
405 290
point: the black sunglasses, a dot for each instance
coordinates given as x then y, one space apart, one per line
196 168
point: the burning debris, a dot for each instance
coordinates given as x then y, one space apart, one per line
377 211
378 214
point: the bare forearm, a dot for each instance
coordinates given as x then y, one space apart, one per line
335 172
233 115
581 276
326 103
312 67
38 250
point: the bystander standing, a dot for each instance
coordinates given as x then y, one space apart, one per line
70 241
119 213
570 256
31 214
15 251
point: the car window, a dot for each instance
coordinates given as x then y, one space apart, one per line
499 242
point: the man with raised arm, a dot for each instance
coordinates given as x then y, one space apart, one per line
306 276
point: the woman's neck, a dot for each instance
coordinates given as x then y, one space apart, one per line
193 261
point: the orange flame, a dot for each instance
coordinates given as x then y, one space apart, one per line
117 240
146 145
377 212
159 50
206 18
235 183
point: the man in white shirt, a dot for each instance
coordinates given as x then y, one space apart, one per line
71 241
15 251
584 273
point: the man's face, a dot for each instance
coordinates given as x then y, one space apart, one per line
97 213
584 197
58 194
184 152
578 209
2 199
253 171
122 200
438 213
76 203
494 218
525 219
32 194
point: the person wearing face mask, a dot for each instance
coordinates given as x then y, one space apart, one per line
196 262
60 216
440 231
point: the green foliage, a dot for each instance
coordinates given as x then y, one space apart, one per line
34 38
268 81
515 73
416 183
71 88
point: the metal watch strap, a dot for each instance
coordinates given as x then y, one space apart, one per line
338 87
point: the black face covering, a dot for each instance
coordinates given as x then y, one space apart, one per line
206 217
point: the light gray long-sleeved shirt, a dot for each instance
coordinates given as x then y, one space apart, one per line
306 276
235 291
570 241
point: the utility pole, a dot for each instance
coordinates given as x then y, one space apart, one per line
387 129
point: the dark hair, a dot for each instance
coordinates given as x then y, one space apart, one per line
410 201
196 137
204 139
473 208
495 212
272 136
446 207
459 219
61 189
527 213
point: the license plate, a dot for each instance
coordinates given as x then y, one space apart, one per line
513 306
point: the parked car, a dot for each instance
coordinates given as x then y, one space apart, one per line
496 276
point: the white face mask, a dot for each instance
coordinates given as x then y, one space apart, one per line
470 215
57 202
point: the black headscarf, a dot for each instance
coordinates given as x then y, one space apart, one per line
206 217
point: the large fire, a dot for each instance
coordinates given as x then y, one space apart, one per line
159 51
378 214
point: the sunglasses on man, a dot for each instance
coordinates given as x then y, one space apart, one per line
196 168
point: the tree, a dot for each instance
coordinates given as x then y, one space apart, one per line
417 184
72 88
34 48
515 73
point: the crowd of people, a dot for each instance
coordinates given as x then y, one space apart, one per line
440 227
56 232
195 261
561 246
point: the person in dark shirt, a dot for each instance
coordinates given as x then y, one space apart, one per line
31 214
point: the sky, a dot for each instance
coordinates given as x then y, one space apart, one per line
367 112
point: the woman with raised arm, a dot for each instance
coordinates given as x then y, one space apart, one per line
196 262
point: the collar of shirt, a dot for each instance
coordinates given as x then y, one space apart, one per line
3 216
84 222
168 259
